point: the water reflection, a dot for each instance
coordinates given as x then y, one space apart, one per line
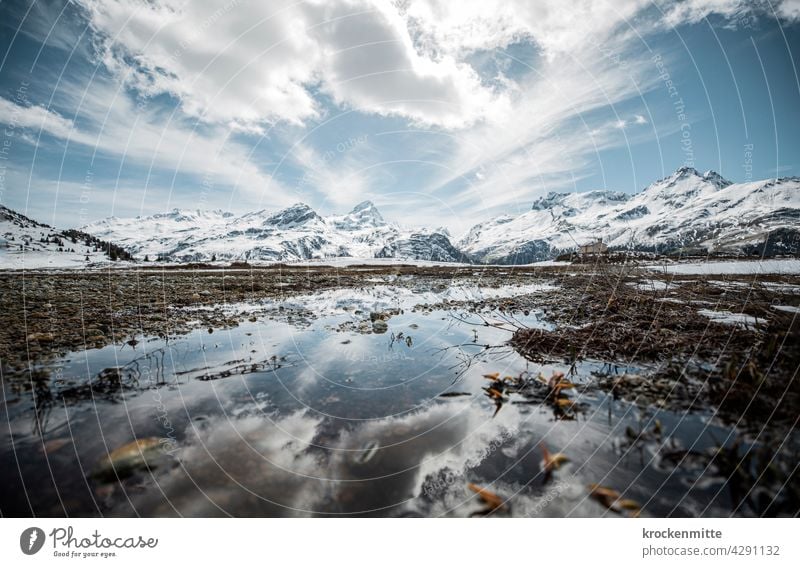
282 417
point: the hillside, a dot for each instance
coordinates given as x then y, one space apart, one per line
26 243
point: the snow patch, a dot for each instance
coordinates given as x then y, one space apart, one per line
787 308
730 318
652 285
772 266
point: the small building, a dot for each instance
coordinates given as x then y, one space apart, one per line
592 248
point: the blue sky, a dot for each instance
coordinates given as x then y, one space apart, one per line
441 113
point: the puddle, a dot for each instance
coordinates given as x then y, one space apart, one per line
280 417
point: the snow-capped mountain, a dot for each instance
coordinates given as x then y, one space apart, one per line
364 215
433 246
685 211
27 244
294 233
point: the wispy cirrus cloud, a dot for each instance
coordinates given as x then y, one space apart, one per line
36 117
693 11
109 122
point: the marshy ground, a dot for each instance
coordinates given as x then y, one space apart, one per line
581 390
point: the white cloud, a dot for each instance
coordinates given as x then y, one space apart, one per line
234 62
557 27
250 63
114 124
692 11
789 10
34 117
546 136
370 63
552 134
623 123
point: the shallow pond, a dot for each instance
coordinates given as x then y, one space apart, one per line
340 412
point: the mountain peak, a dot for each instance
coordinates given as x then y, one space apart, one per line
710 176
686 171
363 206
292 216
363 215
715 178
548 201
688 181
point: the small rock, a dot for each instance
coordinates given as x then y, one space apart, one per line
41 337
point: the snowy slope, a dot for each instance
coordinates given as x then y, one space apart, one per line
684 211
294 233
424 245
27 244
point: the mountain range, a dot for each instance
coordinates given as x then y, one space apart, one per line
687 212
294 233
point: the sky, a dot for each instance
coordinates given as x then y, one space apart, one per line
442 113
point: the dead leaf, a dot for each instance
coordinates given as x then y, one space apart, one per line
551 461
489 498
610 498
630 505
604 495
495 393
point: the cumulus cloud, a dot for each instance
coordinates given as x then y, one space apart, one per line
789 10
232 62
249 63
370 63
